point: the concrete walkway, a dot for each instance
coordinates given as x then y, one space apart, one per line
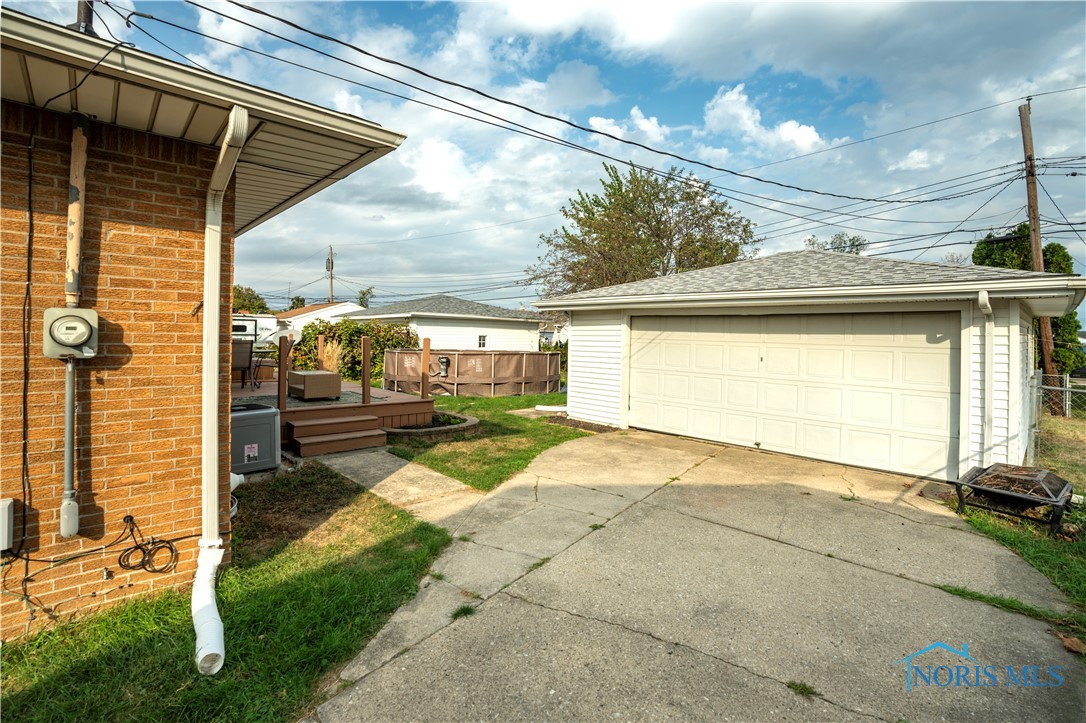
632 575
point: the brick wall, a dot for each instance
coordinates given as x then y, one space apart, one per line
138 414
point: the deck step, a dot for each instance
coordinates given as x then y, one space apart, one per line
340 442
331 425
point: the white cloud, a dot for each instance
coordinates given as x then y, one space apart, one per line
730 111
917 160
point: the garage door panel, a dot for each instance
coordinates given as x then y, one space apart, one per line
826 363
823 402
873 366
741 393
923 456
706 424
925 412
870 407
709 357
780 435
876 390
869 447
743 359
741 428
822 441
782 361
708 390
675 418
925 369
872 329
677 355
675 387
781 397
644 384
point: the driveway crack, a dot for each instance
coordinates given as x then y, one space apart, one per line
685 646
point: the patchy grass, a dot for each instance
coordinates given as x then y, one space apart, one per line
506 445
319 565
1074 622
1061 559
803 689
463 611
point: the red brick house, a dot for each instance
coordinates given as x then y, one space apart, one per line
169 165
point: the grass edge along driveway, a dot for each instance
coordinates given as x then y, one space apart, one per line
505 446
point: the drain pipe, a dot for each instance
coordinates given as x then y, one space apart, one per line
989 374
210 646
73 262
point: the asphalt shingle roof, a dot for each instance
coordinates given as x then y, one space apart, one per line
448 305
803 270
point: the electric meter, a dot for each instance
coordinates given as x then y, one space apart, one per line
70 333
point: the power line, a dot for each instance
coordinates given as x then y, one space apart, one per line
519 106
993 197
1060 210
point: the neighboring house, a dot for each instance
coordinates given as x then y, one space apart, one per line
296 319
554 332
916 368
178 162
452 323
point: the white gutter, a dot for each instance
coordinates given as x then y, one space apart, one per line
985 305
210 646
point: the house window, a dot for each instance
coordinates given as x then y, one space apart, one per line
482 341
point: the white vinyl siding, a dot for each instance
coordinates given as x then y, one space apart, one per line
465 333
876 390
596 351
1025 377
999 366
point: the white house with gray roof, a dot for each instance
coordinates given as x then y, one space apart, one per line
915 368
452 323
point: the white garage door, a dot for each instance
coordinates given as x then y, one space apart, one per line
874 390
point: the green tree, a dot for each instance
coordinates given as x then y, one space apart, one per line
1015 251
643 226
841 242
245 299
364 296
296 302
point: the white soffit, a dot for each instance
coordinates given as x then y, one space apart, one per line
294 149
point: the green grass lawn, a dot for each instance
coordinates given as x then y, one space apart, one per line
506 446
1061 559
319 565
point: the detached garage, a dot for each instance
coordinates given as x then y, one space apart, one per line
909 367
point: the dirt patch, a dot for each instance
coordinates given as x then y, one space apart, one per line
578 424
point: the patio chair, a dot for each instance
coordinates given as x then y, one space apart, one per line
241 360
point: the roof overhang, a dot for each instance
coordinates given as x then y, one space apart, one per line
294 149
1054 296
431 315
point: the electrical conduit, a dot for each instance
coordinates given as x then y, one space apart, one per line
210 644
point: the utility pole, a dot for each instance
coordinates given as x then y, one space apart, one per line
330 265
1045 324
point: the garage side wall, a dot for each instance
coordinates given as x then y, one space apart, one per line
597 342
993 373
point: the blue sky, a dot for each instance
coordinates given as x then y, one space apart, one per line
460 206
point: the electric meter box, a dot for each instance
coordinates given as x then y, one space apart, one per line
70 333
254 438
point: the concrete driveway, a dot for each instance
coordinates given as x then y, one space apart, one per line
632 575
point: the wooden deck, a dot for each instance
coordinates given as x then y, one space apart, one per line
323 426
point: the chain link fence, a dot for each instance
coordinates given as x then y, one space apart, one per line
1057 401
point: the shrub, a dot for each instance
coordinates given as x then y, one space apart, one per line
347 334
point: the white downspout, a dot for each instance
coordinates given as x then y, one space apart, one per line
989 374
210 646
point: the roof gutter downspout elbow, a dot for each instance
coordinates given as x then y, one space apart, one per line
210 645
985 305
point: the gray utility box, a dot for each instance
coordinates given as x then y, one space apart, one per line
254 438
